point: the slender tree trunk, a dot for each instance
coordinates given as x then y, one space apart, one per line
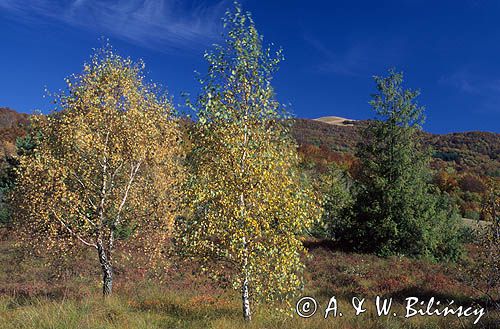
247 315
245 296
107 271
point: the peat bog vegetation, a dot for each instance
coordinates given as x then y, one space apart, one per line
119 212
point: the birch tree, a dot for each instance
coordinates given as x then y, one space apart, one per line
106 166
249 207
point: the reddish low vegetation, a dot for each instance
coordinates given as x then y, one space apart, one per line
329 272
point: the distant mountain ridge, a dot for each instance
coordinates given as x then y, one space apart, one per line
466 151
331 137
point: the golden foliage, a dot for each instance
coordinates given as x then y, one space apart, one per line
107 165
249 206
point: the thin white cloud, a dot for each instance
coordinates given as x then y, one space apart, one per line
483 87
359 58
463 81
164 25
471 82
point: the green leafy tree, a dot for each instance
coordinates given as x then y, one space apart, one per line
249 207
8 168
337 196
7 180
395 211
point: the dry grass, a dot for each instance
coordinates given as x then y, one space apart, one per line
31 296
163 309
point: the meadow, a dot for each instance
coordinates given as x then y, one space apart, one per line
34 294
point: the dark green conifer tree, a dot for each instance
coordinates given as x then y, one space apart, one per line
396 211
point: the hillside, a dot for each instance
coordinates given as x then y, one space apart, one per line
477 152
12 125
332 138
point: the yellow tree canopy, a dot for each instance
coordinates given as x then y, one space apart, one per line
249 204
107 164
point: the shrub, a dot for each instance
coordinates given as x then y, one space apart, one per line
470 183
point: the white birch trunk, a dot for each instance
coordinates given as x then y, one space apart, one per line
107 271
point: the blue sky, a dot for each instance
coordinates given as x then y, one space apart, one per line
450 50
